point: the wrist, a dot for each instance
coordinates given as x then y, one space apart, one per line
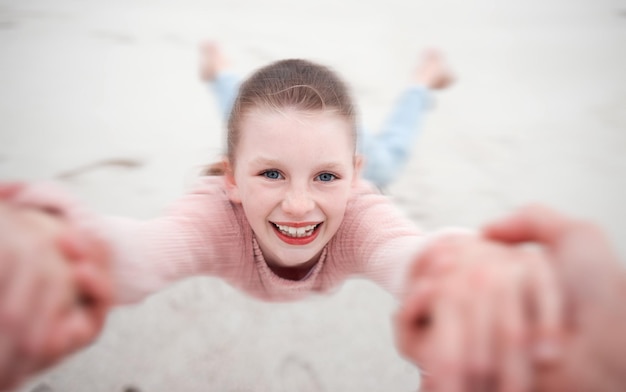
440 253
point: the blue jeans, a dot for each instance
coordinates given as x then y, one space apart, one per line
386 152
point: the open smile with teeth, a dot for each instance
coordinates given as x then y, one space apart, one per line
297 232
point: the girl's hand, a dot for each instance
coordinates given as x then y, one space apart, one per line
473 309
54 289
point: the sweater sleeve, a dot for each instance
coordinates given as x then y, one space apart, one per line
378 242
201 233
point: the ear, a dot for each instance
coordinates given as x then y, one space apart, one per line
359 161
229 180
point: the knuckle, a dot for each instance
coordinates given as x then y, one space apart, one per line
482 278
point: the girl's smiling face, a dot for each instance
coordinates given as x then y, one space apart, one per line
293 174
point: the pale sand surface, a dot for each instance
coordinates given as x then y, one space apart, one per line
539 114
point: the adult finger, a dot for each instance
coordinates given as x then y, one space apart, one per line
547 304
513 333
20 292
446 363
12 363
9 261
86 318
95 291
9 264
75 331
533 223
57 297
7 356
412 320
9 254
480 313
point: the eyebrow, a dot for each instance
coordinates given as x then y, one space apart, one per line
265 162
274 163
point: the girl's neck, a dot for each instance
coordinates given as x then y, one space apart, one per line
295 273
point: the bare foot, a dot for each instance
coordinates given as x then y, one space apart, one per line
432 71
212 60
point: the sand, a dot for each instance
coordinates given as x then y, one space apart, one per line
104 98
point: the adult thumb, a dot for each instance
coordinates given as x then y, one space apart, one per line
534 223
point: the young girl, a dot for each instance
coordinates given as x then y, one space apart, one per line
385 152
288 217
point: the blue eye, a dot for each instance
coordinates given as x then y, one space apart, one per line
326 177
272 174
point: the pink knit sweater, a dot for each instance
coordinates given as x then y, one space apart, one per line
203 233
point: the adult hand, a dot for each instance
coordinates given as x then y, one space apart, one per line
595 284
465 319
51 301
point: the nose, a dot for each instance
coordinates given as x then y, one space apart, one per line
298 202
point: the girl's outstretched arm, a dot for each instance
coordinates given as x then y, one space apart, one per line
199 234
